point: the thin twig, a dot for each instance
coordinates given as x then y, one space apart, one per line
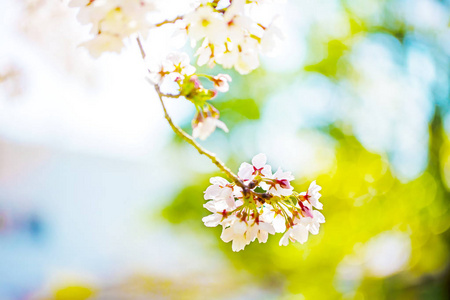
185 136
140 47
189 139
168 21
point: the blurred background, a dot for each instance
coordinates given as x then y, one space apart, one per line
99 199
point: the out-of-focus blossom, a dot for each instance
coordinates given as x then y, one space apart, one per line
221 82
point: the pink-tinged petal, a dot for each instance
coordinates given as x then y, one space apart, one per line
267 171
259 160
262 236
251 233
239 243
212 220
285 192
316 203
279 224
188 70
218 180
284 241
288 176
227 235
300 233
222 125
210 206
212 192
221 205
267 227
314 227
237 192
230 203
229 221
204 129
313 187
225 192
306 209
245 171
277 174
239 227
319 216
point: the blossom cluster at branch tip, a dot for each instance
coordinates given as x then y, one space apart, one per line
176 69
263 203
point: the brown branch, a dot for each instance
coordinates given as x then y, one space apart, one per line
189 139
168 21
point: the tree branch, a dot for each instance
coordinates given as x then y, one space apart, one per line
168 21
189 139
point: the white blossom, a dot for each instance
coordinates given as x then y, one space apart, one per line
205 22
313 224
259 230
313 195
181 62
248 58
279 184
103 43
296 233
251 215
175 66
208 125
112 21
229 57
236 233
221 82
270 38
258 167
221 192
274 217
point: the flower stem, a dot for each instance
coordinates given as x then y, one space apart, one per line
190 140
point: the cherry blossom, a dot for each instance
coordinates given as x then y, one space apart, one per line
255 203
313 224
248 172
296 233
247 215
205 22
221 82
313 195
221 192
206 126
112 21
279 183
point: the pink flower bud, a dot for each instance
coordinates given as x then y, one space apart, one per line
306 211
284 183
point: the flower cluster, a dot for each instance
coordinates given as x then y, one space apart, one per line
262 203
231 36
112 21
176 68
229 33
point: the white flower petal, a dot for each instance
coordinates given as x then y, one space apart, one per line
259 160
245 171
